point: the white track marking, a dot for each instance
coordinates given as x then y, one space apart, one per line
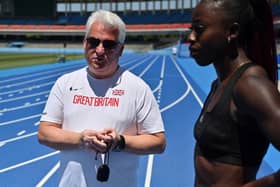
19 120
17 138
49 174
30 75
28 162
149 171
27 88
29 81
21 132
151 156
22 106
139 63
24 97
148 67
161 76
190 88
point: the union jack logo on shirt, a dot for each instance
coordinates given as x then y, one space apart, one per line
118 92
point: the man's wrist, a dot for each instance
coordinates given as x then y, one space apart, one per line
120 144
82 143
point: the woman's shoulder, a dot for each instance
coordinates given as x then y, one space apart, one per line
252 78
253 87
254 71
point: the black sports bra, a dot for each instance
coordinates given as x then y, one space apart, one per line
220 138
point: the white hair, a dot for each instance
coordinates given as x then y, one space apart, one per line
108 18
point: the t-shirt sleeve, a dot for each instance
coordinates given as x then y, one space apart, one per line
53 111
149 118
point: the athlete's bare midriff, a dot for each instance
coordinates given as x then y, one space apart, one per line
216 174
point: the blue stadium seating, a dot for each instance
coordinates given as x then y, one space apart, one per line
276 9
147 17
131 18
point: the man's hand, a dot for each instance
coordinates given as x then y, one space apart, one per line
113 138
96 140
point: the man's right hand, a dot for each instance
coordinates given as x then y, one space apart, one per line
96 140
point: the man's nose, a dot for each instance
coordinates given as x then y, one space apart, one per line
100 48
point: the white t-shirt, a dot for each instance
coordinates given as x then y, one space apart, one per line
123 102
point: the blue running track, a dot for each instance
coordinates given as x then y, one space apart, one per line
178 84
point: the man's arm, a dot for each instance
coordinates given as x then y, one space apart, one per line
146 143
138 144
51 135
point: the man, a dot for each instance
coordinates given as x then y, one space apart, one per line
102 108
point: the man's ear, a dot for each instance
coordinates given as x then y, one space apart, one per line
233 31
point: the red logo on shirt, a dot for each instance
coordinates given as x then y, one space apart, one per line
118 92
96 101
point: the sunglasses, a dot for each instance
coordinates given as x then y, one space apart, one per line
107 44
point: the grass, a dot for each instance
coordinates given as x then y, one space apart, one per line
14 60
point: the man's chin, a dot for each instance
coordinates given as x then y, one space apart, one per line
97 66
97 71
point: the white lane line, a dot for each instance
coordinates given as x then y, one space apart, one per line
28 162
21 132
149 171
135 60
26 105
19 120
161 75
2 144
176 101
28 88
24 97
57 74
139 63
190 88
188 83
17 138
148 67
151 156
29 81
49 174
32 74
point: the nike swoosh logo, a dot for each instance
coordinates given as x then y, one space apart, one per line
74 89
